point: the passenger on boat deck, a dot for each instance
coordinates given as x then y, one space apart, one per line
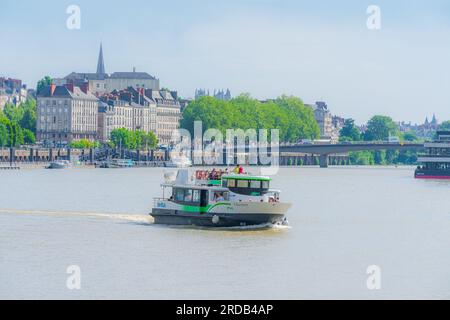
237 169
213 175
218 196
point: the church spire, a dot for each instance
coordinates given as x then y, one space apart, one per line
100 63
434 121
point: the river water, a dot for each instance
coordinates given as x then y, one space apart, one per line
343 220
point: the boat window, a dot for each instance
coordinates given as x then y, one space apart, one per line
231 183
242 183
255 184
265 184
179 194
188 195
196 196
221 196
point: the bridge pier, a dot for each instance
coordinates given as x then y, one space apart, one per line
323 160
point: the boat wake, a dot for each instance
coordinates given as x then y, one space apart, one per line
137 218
265 226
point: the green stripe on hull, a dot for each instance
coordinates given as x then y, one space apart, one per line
203 209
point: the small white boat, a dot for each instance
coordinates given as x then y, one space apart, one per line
179 162
118 163
59 164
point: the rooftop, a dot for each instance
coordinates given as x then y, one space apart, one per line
64 92
131 75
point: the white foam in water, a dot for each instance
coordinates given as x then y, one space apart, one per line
264 226
128 217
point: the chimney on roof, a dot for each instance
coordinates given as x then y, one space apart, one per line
52 88
69 87
84 87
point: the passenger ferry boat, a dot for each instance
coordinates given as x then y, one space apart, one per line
436 161
229 200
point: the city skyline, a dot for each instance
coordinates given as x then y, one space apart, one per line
256 47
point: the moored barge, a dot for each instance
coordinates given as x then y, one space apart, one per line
435 163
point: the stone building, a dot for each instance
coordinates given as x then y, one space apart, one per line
324 120
123 80
218 94
102 82
66 113
12 91
168 113
128 109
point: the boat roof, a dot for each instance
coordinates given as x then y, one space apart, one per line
245 177
194 186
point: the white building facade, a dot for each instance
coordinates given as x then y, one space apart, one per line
66 113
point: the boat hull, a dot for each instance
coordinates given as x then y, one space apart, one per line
214 219
57 166
432 174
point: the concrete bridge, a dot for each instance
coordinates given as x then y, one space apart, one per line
325 150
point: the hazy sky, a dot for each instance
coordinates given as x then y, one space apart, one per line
317 50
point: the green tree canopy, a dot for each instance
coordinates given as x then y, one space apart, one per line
380 128
288 114
445 125
4 133
28 120
410 136
129 139
83 144
28 136
349 131
20 124
46 81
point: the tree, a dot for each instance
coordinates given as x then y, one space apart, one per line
123 138
445 125
302 123
379 128
16 137
362 158
410 136
28 136
138 139
83 144
349 132
28 120
149 141
12 112
288 114
4 134
46 81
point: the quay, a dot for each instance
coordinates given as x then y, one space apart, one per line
9 168
289 155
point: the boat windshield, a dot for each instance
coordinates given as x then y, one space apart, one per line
247 186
